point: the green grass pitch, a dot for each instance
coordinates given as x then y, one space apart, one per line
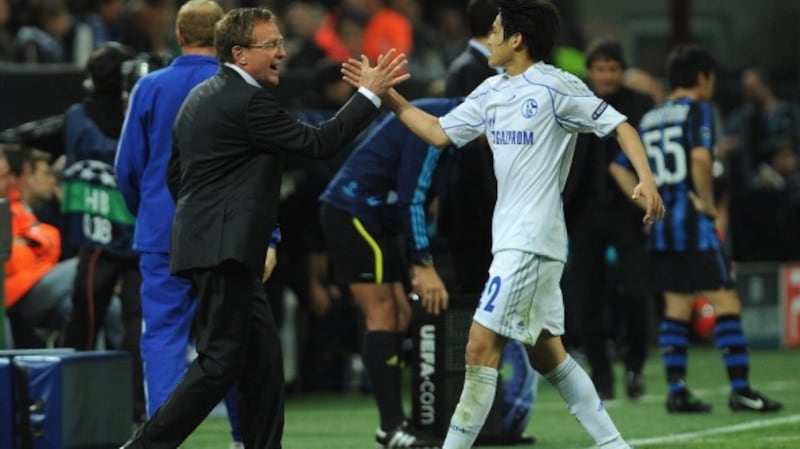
348 421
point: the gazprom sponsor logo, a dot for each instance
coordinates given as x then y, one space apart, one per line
511 137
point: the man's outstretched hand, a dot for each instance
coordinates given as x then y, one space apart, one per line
387 73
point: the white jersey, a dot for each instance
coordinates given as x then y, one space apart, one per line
531 121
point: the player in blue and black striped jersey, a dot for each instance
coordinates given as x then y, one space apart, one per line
687 256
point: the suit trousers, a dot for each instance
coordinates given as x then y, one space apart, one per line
585 277
237 340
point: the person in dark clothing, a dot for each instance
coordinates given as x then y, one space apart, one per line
599 216
465 214
380 193
96 220
230 141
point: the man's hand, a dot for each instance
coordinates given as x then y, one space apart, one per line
701 206
430 288
269 264
654 205
387 73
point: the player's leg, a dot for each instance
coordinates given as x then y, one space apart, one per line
677 275
370 263
732 344
381 350
549 357
673 339
508 308
483 353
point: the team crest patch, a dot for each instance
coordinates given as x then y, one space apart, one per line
529 108
599 111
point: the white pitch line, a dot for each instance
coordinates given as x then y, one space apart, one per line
717 430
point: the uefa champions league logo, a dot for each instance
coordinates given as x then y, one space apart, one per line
529 108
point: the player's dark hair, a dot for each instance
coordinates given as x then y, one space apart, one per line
538 21
605 48
687 61
481 14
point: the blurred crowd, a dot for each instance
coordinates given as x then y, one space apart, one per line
66 31
756 167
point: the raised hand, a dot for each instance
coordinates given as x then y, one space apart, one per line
387 73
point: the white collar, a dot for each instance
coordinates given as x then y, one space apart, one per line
248 78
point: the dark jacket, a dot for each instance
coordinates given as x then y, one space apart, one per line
467 72
467 205
228 149
590 190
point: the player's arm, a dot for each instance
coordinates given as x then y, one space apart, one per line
414 179
703 195
424 125
646 189
626 180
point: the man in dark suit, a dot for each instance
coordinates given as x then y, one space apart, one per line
229 142
465 217
600 216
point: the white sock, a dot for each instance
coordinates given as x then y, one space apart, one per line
579 393
477 397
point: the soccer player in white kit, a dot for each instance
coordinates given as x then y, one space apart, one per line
531 116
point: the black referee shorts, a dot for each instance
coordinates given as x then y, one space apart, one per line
358 253
691 271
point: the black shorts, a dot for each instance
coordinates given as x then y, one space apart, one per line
691 271
358 253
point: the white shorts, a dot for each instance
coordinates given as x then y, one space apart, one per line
522 296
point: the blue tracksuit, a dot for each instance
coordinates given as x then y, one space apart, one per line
168 303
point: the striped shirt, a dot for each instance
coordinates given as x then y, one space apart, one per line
670 132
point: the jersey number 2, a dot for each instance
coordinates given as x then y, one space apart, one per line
661 145
490 294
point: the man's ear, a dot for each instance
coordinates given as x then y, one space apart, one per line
516 42
178 37
704 78
239 56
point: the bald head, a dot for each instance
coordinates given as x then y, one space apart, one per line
195 23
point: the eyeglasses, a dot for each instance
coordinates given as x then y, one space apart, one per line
273 45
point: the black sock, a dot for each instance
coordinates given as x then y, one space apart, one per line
674 342
732 344
383 364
